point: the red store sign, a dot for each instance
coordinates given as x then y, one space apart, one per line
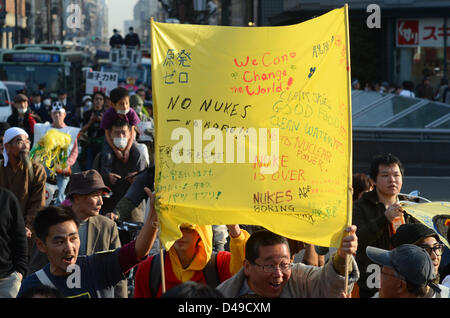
426 32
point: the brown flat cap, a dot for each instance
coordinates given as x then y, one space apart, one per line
86 182
20 98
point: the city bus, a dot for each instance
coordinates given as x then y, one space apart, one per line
56 66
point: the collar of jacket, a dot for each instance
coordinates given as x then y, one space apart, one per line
371 196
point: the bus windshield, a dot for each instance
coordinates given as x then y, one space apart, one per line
33 75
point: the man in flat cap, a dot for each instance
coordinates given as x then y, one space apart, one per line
96 232
22 116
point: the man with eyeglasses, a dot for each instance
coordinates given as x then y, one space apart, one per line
24 178
424 237
407 272
268 271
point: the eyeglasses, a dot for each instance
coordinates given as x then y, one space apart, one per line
437 249
284 267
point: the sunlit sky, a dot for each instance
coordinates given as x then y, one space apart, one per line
119 11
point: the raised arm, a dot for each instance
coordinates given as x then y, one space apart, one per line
147 235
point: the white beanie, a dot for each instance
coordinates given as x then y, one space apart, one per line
9 135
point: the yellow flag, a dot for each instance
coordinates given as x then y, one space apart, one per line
253 126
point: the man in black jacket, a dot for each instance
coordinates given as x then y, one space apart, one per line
376 215
132 39
116 40
13 245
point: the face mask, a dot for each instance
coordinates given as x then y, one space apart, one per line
47 102
22 110
122 112
120 142
88 105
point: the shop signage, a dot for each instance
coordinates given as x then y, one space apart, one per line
427 32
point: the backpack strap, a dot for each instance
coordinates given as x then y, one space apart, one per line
211 273
44 279
154 276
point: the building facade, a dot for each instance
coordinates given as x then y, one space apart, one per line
411 42
13 22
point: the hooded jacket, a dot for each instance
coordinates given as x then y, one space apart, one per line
228 263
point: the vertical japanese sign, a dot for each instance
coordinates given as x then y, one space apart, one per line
253 126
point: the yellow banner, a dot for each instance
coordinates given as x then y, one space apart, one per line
426 213
253 126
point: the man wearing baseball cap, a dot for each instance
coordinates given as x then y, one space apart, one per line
96 232
407 272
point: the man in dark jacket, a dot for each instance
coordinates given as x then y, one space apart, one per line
376 215
116 40
21 115
132 39
13 245
39 108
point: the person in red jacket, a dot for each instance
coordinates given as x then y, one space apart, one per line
190 259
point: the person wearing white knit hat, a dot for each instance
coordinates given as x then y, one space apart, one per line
21 176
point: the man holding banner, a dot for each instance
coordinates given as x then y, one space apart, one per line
253 126
268 272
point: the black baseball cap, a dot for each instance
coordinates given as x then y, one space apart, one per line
410 261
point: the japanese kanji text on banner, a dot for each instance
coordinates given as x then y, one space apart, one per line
253 126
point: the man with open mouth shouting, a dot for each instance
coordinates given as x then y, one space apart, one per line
94 276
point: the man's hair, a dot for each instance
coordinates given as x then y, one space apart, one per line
98 93
191 289
42 290
386 160
50 216
119 122
262 238
418 291
117 94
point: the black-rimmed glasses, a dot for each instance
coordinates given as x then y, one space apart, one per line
284 267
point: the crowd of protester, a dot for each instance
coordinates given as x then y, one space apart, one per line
108 175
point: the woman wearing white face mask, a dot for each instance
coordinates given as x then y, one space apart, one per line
22 116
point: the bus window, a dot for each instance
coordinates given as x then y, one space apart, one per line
33 75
